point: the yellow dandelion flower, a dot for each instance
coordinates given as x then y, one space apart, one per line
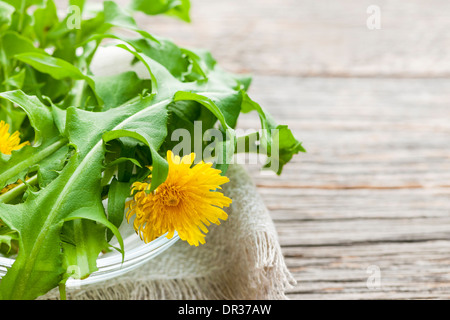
186 202
8 142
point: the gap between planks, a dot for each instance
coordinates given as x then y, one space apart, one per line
334 187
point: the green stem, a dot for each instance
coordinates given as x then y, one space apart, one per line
4 63
18 190
79 88
62 291
253 136
22 16
36 158
34 82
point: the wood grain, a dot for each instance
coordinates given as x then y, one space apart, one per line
373 188
317 38
361 133
372 108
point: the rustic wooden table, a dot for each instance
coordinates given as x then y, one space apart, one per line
373 110
372 195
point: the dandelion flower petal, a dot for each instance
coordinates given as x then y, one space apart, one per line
9 142
186 203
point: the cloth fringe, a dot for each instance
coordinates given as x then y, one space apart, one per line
241 260
268 280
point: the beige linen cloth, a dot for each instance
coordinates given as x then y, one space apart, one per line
241 259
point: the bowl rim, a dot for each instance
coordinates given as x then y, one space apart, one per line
111 265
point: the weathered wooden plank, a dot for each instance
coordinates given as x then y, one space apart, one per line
407 270
363 231
396 295
373 188
359 132
316 38
304 205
